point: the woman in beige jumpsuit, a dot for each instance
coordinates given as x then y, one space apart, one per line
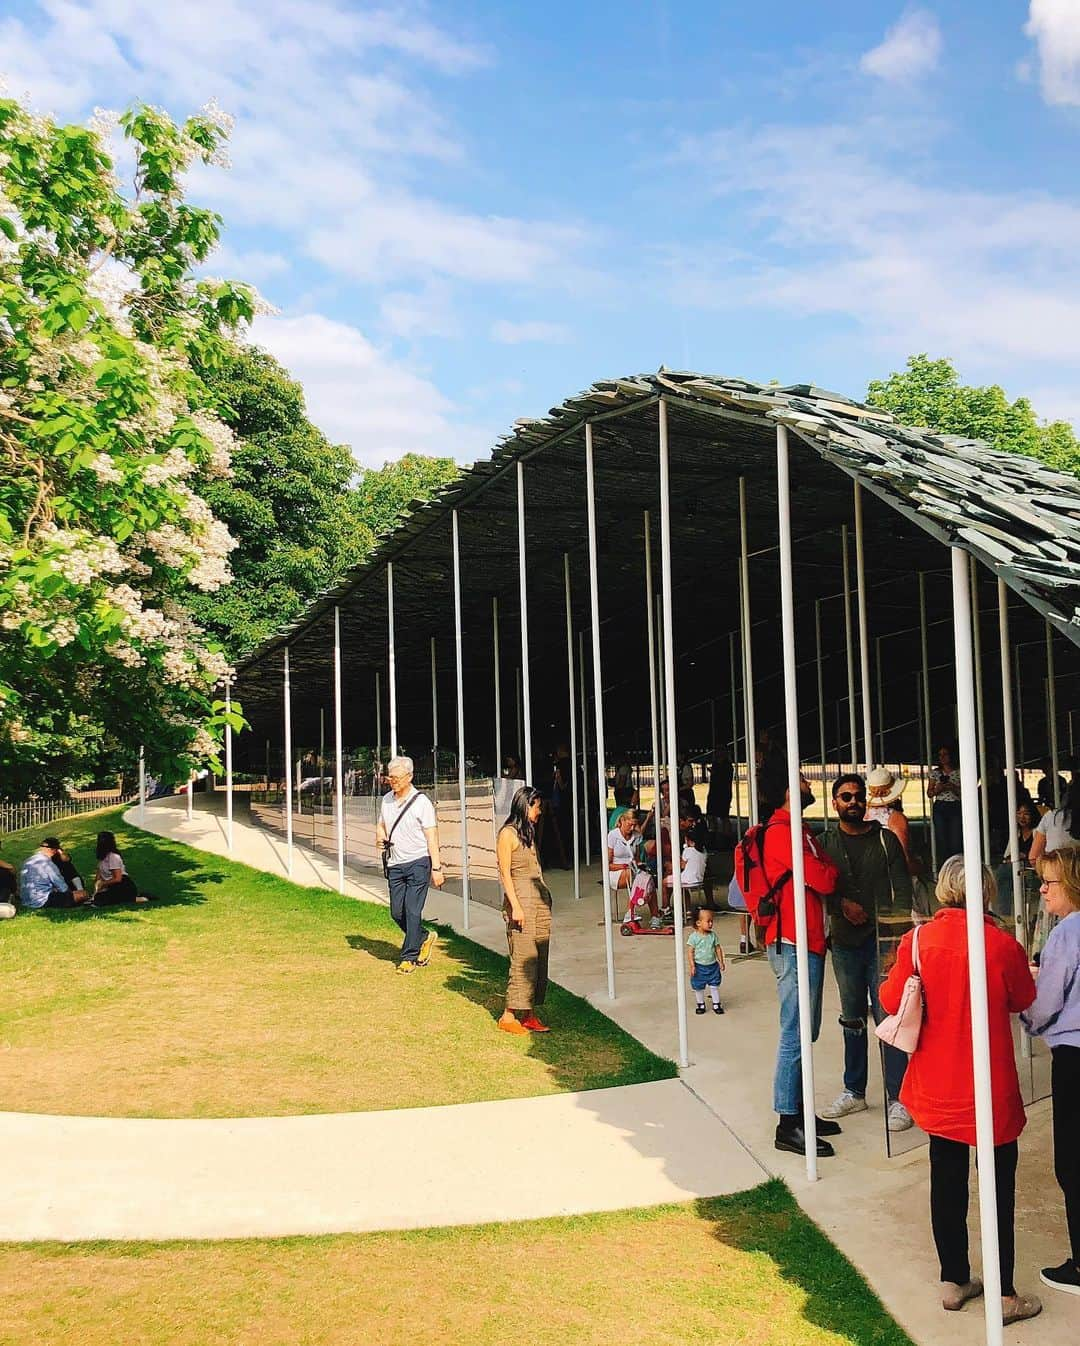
527 912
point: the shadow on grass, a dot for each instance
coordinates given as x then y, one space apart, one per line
377 948
767 1220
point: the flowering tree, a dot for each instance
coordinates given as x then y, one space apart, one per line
105 421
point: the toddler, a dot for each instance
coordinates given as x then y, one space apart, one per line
706 960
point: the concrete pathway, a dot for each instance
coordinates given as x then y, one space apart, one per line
874 1208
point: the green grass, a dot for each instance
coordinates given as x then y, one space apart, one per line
237 993
749 1269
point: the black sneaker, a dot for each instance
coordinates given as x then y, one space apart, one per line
700 1009
827 1128
793 1140
718 1008
1065 1277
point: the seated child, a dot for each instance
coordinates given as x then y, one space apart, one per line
692 867
706 960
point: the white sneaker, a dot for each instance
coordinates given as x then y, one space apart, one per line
843 1105
899 1117
655 923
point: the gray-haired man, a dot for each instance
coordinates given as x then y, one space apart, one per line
407 835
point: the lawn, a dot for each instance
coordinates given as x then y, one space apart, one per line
236 993
748 1269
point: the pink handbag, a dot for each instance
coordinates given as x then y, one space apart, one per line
901 1030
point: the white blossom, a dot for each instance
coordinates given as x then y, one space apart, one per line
105 469
221 439
64 630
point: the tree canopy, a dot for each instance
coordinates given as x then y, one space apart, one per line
929 393
383 494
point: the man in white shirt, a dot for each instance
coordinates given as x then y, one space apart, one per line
407 836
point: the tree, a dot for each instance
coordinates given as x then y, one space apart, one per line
289 504
104 426
383 494
929 393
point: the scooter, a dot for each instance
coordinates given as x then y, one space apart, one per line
633 926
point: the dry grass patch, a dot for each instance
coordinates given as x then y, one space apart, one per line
750 1269
240 994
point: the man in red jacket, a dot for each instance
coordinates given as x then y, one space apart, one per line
821 876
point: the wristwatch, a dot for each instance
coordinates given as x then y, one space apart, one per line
436 871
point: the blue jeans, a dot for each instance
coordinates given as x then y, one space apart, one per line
408 893
787 1082
858 980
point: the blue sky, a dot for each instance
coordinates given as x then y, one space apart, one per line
465 212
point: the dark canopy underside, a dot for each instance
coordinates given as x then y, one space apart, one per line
1014 515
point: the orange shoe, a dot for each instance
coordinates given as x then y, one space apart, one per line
513 1026
533 1024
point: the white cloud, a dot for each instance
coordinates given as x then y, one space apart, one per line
838 224
910 50
1055 26
515 333
357 394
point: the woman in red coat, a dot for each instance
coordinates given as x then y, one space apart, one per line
939 1086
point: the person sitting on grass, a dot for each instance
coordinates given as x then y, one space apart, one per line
66 866
9 882
113 884
705 959
41 884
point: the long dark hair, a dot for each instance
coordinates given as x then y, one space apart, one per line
106 845
518 817
1071 807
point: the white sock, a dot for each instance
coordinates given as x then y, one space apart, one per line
700 997
714 991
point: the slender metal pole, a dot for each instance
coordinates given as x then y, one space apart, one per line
864 637
142 772
880 701
598 698
391 657
378 720
268 766
820 688
928 743
571 694
921 738
229 837
1010 762
1051 714
653 709
288 769
1019 708
585 756
434 726
520 735
849 642
980 711
498 683
798 875
661 677
322 757
459 665
523 589
976 943
748 659
339 751
672 743
190 795
735 735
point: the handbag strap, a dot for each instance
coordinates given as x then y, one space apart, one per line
915 950
408 805
888 864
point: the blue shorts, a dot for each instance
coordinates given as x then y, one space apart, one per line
705 974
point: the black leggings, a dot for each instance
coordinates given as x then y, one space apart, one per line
115 893
1065 1085
949 1208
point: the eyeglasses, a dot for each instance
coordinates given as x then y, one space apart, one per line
847 797
1049 883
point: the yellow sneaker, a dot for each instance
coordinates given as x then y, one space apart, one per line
404 968
425 949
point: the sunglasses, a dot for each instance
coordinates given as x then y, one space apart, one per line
847 797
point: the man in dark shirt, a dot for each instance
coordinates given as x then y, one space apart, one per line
874 881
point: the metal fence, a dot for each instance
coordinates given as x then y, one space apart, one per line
40 812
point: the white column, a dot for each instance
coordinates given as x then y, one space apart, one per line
1051 712
654 720
661 677
598 697
571 695
1010 760
288 768
339 752
498 683
749 724
976 942
142 779
523 589
735 735
798 877
520 734
928 740
980 712
880 701
849 645
378 719
864 637
1017 687
672 743
190 795
459 662
391 657
228 767
434 727
322 756
585 754
820 689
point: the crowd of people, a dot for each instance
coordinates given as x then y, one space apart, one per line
50 880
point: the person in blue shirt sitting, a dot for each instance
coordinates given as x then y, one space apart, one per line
40 882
